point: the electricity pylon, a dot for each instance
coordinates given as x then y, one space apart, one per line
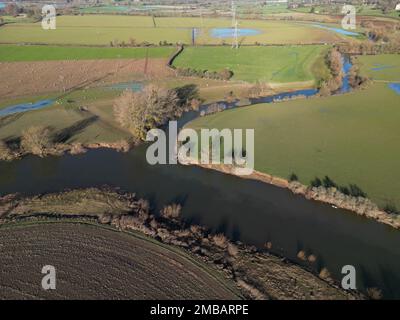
235 43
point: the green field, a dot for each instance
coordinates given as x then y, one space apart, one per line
102 29
45 53
96 125
269 64
381 67
352 138
11 19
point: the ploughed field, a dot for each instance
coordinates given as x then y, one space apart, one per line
102 29
97 263
34 78
352 138
267 64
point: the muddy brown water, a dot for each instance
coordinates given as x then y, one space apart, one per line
245 210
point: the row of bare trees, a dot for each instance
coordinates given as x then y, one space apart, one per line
335 63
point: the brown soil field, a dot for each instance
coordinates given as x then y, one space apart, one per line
92 262
33 78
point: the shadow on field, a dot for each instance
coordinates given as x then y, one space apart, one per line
187 93
67 133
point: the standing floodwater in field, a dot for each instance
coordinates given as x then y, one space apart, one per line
134 86
23 107
395 87
223 33
337 30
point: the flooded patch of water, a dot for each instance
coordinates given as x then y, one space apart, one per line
223 33
379 67
134 86
337 30
395 86
23 107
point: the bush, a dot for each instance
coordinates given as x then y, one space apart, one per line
374 293
312 258
258 90
316 183
5 152
302 255
293 177
233 250
329 183
220 240
391 208
172 211
344 190
142 111
36 140
325 274
356 191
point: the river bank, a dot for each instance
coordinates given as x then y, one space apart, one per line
257 273
61 149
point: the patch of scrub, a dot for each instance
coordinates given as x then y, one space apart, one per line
395 86
223 33
337 30
23 107
134 86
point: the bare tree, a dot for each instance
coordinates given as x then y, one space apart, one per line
145 110
36 140
5 152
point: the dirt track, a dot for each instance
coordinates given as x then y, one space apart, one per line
95 263
35 78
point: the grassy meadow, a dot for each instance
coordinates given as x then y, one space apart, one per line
351 138
13 53
97 124
270 64
381 67
102 29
